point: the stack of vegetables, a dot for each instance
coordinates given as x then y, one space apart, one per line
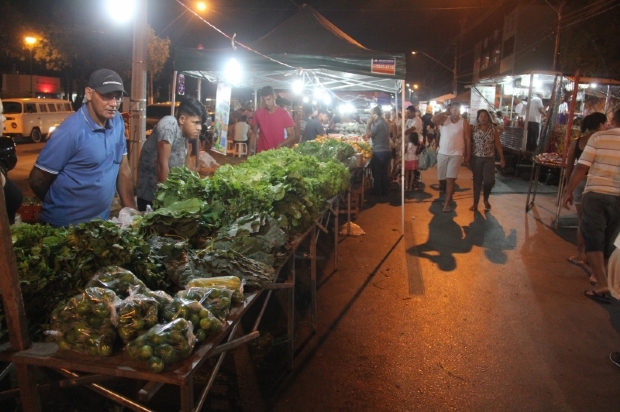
214 237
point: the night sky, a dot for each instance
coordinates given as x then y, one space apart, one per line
386 25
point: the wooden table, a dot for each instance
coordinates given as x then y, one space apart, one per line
90 371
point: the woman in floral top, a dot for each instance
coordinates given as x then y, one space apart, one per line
485 139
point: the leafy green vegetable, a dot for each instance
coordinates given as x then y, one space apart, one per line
182 184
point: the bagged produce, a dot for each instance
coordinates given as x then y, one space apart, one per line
160 296
216 299
87 322
136 314
204 322
229 282
163 345
118 280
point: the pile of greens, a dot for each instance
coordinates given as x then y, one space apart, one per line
55 264
330 149
234 224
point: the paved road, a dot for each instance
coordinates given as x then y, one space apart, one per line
27 154
467 312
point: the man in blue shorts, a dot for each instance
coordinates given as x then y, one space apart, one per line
85 160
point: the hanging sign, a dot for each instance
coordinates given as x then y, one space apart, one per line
181 84
383 66
482 97
222 111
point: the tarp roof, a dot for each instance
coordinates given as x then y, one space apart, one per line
308 44
442 98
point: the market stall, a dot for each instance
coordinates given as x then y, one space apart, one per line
307 51
302 209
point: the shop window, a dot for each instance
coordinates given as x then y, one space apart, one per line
509 47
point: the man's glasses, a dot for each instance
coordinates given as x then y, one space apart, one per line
108 97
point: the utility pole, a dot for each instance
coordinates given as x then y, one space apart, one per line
454 76
556 52
137 126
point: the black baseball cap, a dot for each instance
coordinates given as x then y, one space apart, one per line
106 81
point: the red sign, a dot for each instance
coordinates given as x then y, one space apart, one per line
383 66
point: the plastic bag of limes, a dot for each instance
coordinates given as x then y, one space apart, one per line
163 345
215 299
205 323
136 314
87 322
117 279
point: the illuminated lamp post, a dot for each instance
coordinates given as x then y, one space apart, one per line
30 41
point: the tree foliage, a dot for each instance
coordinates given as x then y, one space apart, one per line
158 52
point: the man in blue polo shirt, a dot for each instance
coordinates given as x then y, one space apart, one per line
85 160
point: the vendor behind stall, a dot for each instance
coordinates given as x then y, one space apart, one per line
315 127
167 148
269 124
85 161
536 112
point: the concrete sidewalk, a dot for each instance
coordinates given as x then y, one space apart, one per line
476 312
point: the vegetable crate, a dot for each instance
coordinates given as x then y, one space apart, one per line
29 214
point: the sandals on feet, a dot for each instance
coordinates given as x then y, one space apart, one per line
577 262
487 205
599 297
473 208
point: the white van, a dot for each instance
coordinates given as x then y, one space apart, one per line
34 117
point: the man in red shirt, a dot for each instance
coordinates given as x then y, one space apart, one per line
271 121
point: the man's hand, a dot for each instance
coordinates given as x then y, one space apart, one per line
567 201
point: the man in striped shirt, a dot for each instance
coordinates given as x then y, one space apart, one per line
600 217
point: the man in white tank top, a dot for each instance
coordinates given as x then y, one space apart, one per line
454 148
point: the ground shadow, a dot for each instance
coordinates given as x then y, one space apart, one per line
446 238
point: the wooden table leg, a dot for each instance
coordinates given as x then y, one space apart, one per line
29 393
291 313
313 241
336 228
187 396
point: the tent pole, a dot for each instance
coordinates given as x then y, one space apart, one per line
174 92
402 158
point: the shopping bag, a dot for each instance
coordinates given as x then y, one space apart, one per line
427 159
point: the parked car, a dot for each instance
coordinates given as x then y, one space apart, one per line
34 118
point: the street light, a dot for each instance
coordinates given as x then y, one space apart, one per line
30 41
443 65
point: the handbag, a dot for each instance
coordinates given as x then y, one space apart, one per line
427 159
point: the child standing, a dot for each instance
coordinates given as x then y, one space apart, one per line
414 147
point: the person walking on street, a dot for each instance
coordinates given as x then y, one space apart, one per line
167 148
485 140
85 160
591 124
270 124
454 149
600 214
378 131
